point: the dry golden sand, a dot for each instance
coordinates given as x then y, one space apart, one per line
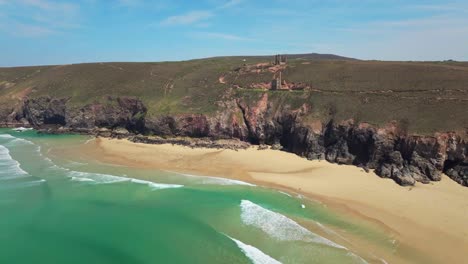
432 219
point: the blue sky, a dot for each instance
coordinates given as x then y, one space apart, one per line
37 32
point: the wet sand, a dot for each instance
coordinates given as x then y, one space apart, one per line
431 220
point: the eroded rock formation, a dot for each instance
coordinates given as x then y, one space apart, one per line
391 152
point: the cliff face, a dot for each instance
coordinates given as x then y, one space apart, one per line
112 113
393 154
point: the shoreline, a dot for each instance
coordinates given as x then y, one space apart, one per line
430 218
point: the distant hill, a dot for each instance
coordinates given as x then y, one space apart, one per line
305 56
317 56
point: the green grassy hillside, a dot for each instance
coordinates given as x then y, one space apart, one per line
430 96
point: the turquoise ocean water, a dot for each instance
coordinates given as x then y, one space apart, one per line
65 210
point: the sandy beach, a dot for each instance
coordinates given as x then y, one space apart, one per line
431 219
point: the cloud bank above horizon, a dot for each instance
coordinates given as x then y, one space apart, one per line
38 32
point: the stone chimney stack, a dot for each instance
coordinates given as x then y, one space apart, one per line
277 59
280 59
279 80
276 83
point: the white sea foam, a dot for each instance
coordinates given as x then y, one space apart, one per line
22 129
154 185
96 177
6 136
89 140
81 179
254 254
279 226
15 139
285 193
22 140
10 167
109 164
37 182
24 184
76 164
215 180
357 258
383 261
107 179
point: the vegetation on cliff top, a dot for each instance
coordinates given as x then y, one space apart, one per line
428 96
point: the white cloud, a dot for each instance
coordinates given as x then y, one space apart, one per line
187 18
34 18
46 5
129 2
435 21
148 5
441 7
202 25
431 38
231 3
196 16
24 30
405 25
224 36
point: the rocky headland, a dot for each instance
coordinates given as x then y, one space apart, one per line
389 150
408 121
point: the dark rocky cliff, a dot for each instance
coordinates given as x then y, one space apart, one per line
389 150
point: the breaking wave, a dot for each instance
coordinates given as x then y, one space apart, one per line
12 141
154 185
279 226
357 258
22 129
24 184
254 254
10 168
81 179
215 180
285 193
95 177
107 179
76 164
22 140
30 183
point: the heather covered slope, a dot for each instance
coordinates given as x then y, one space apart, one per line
427 96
